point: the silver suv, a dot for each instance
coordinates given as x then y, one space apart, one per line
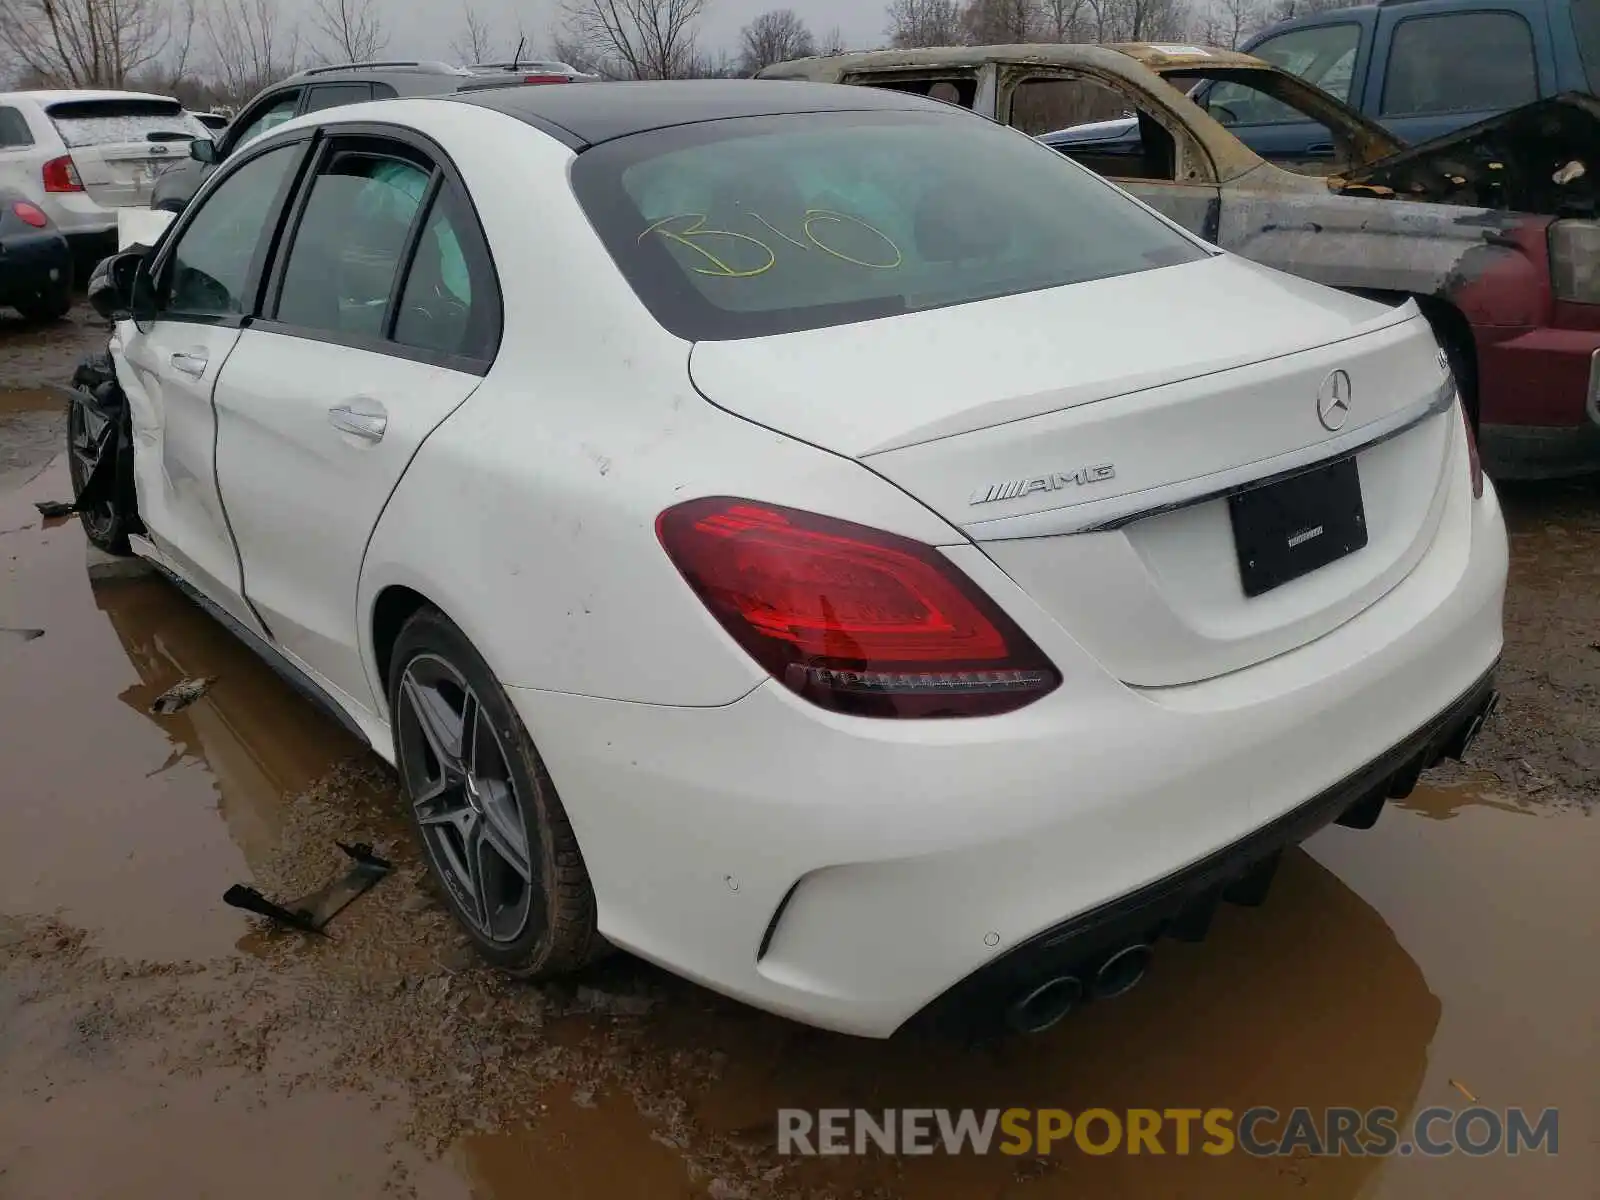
309 91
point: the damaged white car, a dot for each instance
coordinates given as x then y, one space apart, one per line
811 537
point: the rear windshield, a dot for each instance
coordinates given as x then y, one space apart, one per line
762 225
97 122
1586 28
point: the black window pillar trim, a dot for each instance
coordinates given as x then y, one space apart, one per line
445 174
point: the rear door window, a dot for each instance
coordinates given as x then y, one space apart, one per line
273 113
350 241
1460 62
1324 55
14 131
103 122
1586 31
332 95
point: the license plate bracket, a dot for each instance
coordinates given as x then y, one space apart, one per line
1291 527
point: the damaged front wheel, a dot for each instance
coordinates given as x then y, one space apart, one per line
92 447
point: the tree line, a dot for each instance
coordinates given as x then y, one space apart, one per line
218 53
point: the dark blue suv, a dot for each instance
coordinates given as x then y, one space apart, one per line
1421 68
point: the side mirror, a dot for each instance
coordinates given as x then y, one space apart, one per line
113 287
204 150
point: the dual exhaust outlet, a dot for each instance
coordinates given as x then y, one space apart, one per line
1044 1004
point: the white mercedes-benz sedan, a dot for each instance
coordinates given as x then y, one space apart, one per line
813 538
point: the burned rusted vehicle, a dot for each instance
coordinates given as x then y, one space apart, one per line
1493 230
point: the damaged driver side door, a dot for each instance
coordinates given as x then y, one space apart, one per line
205 279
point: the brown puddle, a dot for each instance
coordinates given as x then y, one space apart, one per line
19 400
1457 941
128 824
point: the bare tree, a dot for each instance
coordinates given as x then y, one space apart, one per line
1229 22
833 42
352 30
84 43
774 37
248 48
575 54
636 39
924 23
988 22
475 43
1061 20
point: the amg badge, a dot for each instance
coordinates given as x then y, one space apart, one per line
1014 489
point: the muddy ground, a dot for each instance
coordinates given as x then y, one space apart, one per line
155 1043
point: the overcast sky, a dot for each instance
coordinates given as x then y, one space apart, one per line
413 34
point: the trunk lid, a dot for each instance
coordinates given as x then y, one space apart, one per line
120 147
1082 436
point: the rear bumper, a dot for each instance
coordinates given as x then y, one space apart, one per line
33 266
1181 905
849 872
1539 401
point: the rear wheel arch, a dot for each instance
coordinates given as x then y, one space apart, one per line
394 606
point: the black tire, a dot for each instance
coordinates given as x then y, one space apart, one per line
108 523
434 665
50 305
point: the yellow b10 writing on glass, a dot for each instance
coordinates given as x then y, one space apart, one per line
716 247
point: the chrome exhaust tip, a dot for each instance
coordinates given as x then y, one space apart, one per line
1122 971
1043 1006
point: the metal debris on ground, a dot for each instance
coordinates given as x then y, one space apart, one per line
312 912
55 508
180 695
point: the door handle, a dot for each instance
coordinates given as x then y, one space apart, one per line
1321 150
370 426
192 363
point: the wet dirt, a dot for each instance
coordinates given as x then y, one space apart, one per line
1455 946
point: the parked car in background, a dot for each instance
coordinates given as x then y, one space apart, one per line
542 70
312 90
35 261
1422 68
915 620
1493 231
212 121
81 155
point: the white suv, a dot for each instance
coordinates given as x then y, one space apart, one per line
81 155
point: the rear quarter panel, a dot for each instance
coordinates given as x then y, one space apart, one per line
529 515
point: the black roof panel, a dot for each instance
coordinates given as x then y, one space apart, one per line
597 112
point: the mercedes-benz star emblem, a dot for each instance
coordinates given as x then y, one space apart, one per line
1333 401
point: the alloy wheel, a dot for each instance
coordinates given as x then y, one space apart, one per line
465 799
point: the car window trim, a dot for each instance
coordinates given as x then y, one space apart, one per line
408 252
473 240
1205 168
330 146
1301 119
1445 15
266 246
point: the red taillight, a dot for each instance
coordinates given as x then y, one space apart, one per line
544 79
61 175
853 619
30 213
1474 463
